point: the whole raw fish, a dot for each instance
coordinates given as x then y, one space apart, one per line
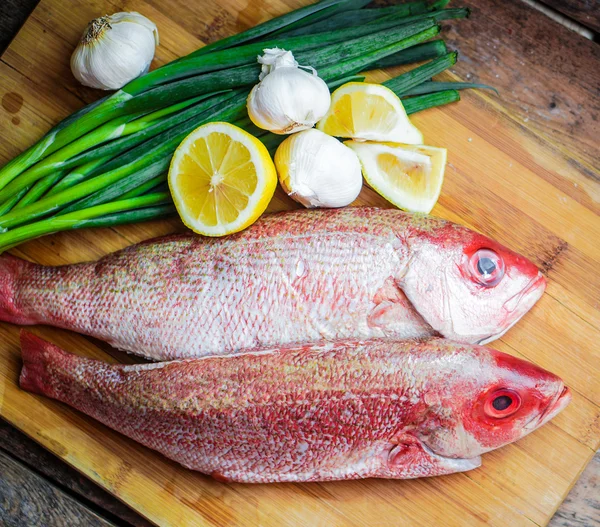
291 278
345 410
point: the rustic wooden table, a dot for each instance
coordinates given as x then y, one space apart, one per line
36 488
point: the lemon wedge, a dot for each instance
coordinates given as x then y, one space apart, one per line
409 176
368 112
221 179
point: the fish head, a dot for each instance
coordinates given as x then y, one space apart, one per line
466 286
492 399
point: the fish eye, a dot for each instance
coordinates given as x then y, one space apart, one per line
487 267
502 403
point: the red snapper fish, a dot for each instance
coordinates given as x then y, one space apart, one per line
329 411
292 277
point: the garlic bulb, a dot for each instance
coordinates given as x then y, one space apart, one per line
317 170
287 99
114 50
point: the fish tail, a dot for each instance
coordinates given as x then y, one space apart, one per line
44 364
11 268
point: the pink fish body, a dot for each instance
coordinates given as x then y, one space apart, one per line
329 411
291 278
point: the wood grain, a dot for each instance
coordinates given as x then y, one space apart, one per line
582 506
35 458
27 499
547 77
13 14
530 182
586 12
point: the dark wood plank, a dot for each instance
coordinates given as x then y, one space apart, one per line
13 14
28 499
582 506
586 12
547 75
32 455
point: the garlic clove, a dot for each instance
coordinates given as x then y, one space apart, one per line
114 50
317 170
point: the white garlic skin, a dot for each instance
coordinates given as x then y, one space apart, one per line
317 170
288 100
114 50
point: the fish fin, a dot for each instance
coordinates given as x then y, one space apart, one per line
398 320
39 356
10 270
220 477
410 458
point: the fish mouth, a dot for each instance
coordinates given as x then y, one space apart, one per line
532 292
559 402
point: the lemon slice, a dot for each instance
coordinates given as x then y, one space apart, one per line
408 176
221 179
368 112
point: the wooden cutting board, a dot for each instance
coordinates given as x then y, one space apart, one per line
534 188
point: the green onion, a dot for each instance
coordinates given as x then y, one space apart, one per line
213 109
268 27
145 187
401 84
78 175
424 102
362 46
361 17
39 189
322 15
79 219
353 66
246 55
425 51
358 17
29 156
63 134
122 185
344 80
8 205
432 87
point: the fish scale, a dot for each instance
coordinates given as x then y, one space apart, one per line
293 277
343 410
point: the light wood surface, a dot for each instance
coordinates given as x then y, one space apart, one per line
522 185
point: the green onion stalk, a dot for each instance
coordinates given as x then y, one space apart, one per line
424 102
83 218
434 86
349 18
